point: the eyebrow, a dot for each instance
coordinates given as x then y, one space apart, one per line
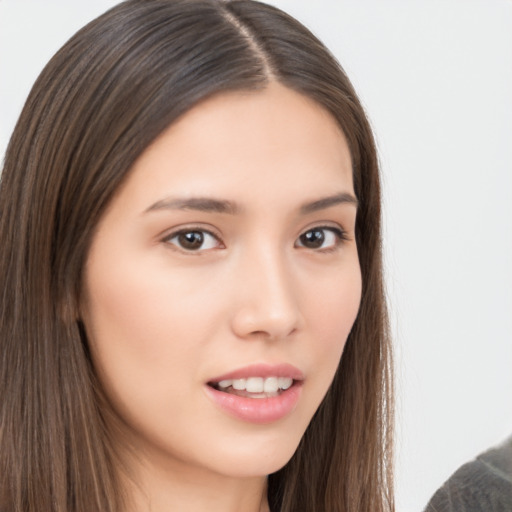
211 205
327 202
202 204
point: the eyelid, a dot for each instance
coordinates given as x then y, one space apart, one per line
170 234
337 229
333 226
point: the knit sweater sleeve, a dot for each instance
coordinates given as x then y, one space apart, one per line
482 485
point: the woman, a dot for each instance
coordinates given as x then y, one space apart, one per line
192 314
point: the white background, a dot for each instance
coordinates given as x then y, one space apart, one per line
436 79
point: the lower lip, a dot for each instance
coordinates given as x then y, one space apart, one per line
257 410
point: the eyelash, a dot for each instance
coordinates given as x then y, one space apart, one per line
340 234
189 230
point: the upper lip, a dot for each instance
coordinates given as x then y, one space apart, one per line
262 370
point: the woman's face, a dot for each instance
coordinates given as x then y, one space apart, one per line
223 281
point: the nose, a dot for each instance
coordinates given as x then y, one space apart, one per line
266 304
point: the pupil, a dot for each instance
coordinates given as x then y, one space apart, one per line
191 240
313 239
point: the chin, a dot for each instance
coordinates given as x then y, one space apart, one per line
256 458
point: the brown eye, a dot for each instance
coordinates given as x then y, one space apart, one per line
321 238
193 240
312 239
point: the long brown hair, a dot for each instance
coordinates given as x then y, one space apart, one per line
101 100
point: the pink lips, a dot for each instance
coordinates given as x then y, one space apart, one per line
259 410
263 370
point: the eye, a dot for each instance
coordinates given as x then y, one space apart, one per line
325 238
193 240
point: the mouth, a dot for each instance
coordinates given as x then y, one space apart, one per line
254 387
258 393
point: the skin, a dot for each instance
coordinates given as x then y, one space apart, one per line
163 319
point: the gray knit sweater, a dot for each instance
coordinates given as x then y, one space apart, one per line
482 485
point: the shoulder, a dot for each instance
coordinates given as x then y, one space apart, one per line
483 485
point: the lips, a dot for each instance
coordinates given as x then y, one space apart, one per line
257 393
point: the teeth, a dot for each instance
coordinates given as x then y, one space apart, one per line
239 384
257 384
254 385
271 385
284 382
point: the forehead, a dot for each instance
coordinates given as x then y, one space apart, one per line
244 143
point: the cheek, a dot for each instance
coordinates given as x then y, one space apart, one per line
142 306
333 310
141 337
145 347
123 320
334 306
